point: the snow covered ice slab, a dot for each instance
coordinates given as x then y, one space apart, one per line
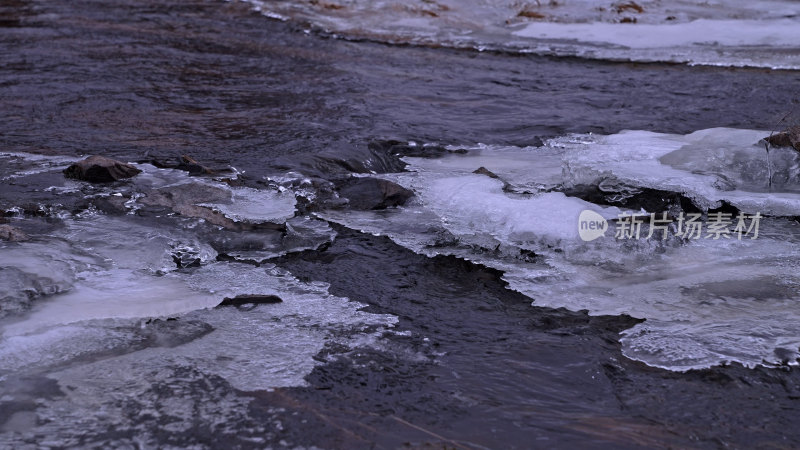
474 204
512 164
706 301
264 347
779 33
762 33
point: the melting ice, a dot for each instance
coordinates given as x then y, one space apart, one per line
111 305
705 301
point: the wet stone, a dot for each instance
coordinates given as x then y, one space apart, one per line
484 171
12 234
373 193
185 163
99 169
248 301
788 138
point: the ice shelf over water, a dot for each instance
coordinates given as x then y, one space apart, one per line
706 301
90 283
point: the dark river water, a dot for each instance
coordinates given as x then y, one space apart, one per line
469 362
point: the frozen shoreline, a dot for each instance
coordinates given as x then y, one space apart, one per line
737 34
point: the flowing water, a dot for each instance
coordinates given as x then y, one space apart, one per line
708 298
479 313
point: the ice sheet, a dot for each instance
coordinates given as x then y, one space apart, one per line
705 301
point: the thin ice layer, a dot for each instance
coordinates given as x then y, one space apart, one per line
30 270
256 205
240 204
16 165
302 233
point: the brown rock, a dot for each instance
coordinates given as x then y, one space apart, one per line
190 165
788 138
99 169
531 14
629 6
373 193
484 171
12 234
185 163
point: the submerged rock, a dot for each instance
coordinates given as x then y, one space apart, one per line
13 234
99 169
373 193
341 163
788 138
185 163
183 200
110 204
198 200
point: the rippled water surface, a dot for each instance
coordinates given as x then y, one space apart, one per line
470 316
